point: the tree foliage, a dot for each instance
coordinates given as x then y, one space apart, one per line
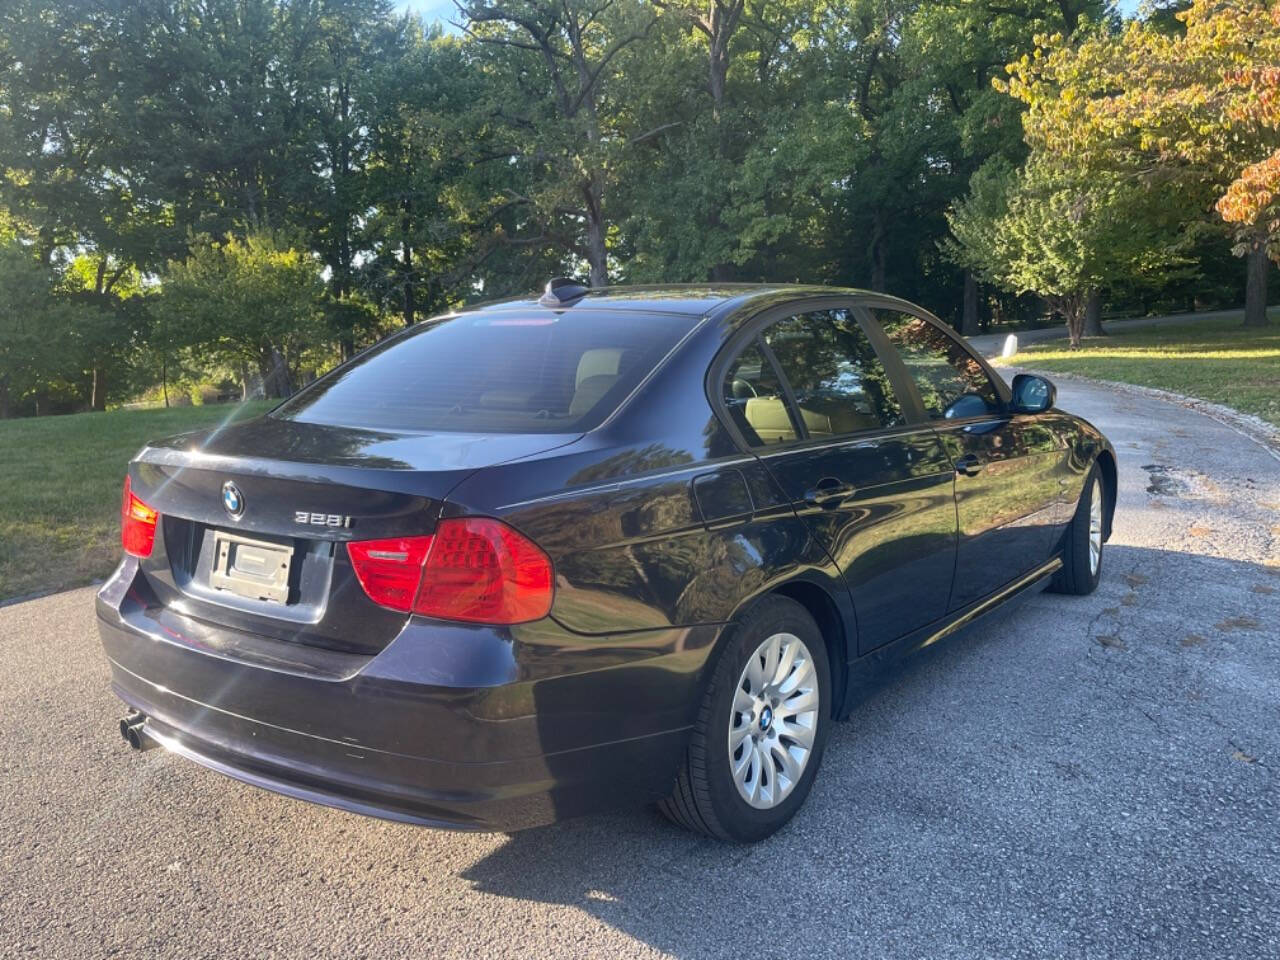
28 310
1062 235
250 304
1199 107
380 170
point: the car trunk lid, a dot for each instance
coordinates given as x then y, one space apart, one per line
254 515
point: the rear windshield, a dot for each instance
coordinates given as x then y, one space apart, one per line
494 372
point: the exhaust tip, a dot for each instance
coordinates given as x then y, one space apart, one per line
132 718
132 730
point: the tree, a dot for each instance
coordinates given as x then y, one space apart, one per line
559 60
954 49
32 322
1196 107
1061 236
251 303
358 41
441 157
711 137
111 322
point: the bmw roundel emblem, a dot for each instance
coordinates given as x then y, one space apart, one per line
232 500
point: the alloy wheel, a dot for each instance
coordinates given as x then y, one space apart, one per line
1095 527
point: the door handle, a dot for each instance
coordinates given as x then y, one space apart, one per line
828 493
969 465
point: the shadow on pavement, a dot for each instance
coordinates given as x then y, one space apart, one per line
1069 775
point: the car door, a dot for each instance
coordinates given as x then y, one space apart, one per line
809 394
1007 467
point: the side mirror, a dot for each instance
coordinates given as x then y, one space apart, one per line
1032 394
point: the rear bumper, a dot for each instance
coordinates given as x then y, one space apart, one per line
466 727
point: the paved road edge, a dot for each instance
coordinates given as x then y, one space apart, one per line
1246 424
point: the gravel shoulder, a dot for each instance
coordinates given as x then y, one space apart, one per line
1071 777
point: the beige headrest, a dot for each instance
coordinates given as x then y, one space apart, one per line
602 362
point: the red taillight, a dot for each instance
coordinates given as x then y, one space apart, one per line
482 570
472 569
137 524
390 570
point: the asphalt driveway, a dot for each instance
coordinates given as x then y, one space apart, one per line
1071 777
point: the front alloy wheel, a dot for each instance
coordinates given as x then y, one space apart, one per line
758 739
1082 543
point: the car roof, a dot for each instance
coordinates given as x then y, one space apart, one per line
694 300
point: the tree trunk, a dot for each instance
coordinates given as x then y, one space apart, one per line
1093 315
969 313
164 380
1072 309
275 374
1255 288
98 398
877 254
719 70
284 372
5 412
408 303
597 253
719 26
721 273
1075 328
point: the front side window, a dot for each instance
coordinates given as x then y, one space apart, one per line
839 383
500 371
951 382
753 396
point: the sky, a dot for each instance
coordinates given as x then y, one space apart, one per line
432 9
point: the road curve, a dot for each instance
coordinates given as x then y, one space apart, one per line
1072 777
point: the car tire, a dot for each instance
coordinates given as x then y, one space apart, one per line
777 707
1083 542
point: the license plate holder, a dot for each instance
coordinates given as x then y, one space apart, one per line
255 569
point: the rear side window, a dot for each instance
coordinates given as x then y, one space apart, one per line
952 383
838 381
753 396
495 372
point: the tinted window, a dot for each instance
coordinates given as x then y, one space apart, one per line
495 372
838 381
952 383
753 397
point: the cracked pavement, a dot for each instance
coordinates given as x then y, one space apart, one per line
1070 777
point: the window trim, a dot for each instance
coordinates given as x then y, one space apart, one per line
788 395
749 332
884 345
788 398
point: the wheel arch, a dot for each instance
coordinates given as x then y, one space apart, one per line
1110 487
826 614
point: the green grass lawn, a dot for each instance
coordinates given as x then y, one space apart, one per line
1217 360
60 480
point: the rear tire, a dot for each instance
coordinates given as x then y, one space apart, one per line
1082 545
761 728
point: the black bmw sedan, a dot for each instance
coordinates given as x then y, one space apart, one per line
551 555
